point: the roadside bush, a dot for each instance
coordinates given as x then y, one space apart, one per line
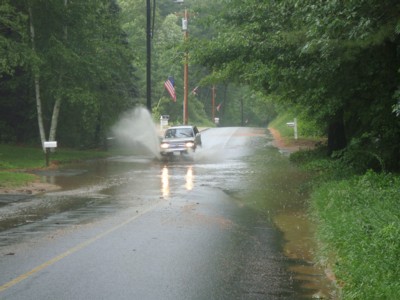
321 166
362 154
306 156
358 225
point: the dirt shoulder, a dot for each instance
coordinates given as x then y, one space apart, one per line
32 188
290 144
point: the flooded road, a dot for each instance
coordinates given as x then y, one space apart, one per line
226 223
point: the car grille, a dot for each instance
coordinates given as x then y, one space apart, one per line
177 145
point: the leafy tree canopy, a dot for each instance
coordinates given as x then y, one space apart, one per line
337 61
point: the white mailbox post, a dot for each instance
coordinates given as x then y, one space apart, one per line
294 125
47 146
164 121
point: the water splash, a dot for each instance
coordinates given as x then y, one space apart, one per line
137 131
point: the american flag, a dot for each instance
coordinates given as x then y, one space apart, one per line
169 85
219 106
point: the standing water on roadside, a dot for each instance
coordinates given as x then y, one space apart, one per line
137 131
279 191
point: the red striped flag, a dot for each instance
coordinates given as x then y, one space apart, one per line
169 86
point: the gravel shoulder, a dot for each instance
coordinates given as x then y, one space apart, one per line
33 188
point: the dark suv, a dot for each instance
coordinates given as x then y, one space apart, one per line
181 139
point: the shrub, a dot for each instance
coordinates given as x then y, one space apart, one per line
323 167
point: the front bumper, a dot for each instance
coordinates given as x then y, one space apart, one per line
171 148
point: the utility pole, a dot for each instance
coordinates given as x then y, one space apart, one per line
185 21
148 52
185 69
213 104
241 111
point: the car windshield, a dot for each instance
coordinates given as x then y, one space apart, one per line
179 133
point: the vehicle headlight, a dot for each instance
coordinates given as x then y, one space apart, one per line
164 146
189 145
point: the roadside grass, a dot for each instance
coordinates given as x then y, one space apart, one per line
279 123
358 226
13 180
307 128
308 134
359 229
14 160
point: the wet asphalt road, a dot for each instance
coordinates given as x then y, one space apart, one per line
135 228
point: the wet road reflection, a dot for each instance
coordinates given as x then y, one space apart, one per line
165 182
189 178
245 183
174 172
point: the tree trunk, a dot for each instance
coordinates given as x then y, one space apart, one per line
37 84
336 136
54 119
57 104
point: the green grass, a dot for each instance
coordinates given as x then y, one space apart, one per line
359 230
14 159
279 123
358 225
307 128
14 180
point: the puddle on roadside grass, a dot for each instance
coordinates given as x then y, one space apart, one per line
279 191
299 247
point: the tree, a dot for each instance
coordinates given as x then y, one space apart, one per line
13 39
335 61
79 60
16 54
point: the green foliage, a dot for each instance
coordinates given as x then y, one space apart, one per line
14 50
359 228
81 57
360 155
279 123
323 168
358 221
332 63
306 126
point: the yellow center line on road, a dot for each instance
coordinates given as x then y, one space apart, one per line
68 252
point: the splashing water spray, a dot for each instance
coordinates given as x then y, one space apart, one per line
136 129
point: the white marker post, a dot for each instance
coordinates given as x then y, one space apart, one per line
164 121
294 125
47 145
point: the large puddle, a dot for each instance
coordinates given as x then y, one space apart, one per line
262 179
279 191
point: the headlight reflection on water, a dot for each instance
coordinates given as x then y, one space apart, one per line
165 181
189 178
